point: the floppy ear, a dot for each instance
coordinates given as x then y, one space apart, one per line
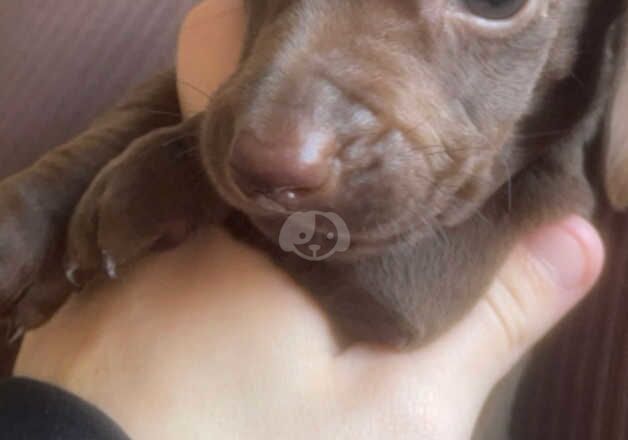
616 156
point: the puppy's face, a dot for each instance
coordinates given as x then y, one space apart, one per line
399 116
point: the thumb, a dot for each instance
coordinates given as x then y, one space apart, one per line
546 275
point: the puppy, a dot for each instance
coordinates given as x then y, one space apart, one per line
386 154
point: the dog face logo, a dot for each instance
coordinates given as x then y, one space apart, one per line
314 235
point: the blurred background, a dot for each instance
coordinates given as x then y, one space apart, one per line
62 62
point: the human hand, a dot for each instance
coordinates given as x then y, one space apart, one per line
193 346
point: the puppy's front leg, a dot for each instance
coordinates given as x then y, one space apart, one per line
36 204
152 195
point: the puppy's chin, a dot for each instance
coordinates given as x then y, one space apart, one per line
358 244
390 217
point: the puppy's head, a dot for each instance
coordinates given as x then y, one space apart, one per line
402 115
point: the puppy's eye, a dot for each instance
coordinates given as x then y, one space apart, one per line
495 9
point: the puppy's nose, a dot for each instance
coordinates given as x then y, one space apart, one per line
282 165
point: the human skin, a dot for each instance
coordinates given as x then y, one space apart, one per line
211 340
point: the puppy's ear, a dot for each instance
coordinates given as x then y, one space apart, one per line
616 155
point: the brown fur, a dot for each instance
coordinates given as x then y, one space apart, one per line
449 139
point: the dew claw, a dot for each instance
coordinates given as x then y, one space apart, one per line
15 335
71 271
110 265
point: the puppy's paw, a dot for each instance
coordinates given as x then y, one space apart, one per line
32 285
151 197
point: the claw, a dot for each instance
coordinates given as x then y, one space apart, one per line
71 272
110 265
15 335
13 332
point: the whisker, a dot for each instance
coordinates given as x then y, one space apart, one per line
442 150
165 113
177 139
541 134
193 87
439 232
504 162
578 80
477 212
456 202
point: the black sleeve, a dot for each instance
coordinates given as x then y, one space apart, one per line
31 410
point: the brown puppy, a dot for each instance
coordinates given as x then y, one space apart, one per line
437 131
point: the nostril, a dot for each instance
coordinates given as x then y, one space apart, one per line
283 168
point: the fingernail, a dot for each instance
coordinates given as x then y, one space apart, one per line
570 250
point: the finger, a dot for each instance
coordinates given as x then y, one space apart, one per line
208 51
544 278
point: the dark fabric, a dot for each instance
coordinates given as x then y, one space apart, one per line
31 410
577 386
64 61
